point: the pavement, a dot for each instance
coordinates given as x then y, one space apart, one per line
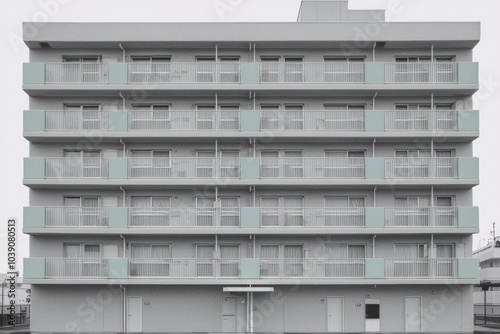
487 329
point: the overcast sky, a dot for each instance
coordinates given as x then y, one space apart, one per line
13 147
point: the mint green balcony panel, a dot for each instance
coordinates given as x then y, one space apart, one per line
118 73
118 217
250 168
374 73
374 268
118 268
33 73
34 120
250 73
374 168
34 217
118 120
374 217
468 168
250 217
468 217
374 121
118 168
250 120
468 268
34 168
250 268
34 268
468 73
468 120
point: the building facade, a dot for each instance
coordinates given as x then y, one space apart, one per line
312 176
489 301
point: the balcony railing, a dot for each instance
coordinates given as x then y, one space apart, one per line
76 168
200 72
312 217
76 268
184 217
409 168
76 121
185 268
421 120
421 268
312 167
76 217
421 217
326 72
421 72
76 73
312 120
312 268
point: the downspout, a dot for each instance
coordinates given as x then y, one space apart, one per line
123 52
373 103
432 53
373 147
373 51
373 245
124 245
124 203
375 197
124 150
123 101
124 315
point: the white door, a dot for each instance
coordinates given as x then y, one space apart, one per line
134 314
335 306
372 315
413 314
234 315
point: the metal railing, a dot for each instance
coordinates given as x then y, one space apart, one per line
184 167
421 168
312 167
184 120
76 121
66 216
421 268
76 168
421 120
443 72
421 217
76 73
312 120
312 217
326 72
76 268
198 72
313 268
185 268
184 217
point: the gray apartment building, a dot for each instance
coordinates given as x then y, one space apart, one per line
311 176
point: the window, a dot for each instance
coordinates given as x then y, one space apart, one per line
294 117
344 260
205 164
446 213
344 211
410 260
412 211
83 211
416 117
150 260
343 69
412 163
270 68
229 260
230 211
294 69
344 164
150 211
290 118
445 266
229 117
419 69
204 260
345 117
83 164
286 163
82 260
82 69
77 117
150 69
205 69
282 211
270 117
282 260
205 211
229 69
150 163
154 117
205 117
229 164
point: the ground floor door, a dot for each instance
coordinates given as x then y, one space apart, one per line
234 319
335 309
134 314
413 314
372 315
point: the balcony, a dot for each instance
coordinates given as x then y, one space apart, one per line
261 220
317 270
490 274
153 75
308 124
249 171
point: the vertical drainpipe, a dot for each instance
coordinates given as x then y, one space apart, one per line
124 315
373 245
375 197
123 52
373 51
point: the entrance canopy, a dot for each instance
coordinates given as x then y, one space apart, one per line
248 289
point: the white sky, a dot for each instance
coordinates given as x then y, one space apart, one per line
13 147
